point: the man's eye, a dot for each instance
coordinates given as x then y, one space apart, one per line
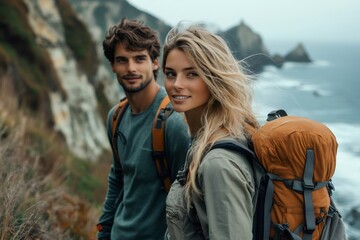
140 59
120 60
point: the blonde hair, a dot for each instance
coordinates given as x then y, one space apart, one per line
228 112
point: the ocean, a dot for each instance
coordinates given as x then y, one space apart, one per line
326 90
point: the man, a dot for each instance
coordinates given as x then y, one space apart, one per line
134 207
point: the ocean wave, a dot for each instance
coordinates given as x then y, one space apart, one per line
321 63
313 89
314 63
289 65
272 80
346 182
348 137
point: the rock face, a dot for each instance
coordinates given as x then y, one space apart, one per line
244 41
298 54
247 46
76 117
58 66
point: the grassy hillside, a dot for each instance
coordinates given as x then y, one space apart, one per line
45 192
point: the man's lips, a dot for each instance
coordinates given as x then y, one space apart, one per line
132 77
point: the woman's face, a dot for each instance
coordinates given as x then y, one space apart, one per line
186 89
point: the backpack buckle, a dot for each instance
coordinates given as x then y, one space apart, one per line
308 231
276 114
181 176
158 154
309 186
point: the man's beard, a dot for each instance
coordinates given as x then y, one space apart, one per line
142 86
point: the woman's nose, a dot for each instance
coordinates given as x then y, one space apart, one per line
179 82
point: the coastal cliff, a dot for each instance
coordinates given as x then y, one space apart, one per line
52 52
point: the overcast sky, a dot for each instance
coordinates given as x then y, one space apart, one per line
302 20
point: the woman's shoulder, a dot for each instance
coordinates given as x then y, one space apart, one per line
229 160
221 156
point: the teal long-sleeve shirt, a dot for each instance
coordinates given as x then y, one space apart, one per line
134 207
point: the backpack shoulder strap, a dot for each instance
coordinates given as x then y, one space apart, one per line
158 143
236 146
117 115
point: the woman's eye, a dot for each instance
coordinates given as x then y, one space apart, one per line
192 75
169 74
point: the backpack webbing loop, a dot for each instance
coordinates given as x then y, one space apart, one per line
308 189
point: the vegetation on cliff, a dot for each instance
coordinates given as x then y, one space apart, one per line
45 191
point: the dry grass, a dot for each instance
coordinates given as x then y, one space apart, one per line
37 201
34 201
19 213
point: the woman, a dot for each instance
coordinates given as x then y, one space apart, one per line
213 198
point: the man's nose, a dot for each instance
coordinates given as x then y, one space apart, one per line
131 66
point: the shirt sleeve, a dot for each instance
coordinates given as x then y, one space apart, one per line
114 193
228 189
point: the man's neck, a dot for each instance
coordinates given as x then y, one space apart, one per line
140 101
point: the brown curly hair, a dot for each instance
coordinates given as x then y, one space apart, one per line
136 37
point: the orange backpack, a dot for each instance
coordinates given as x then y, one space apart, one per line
293 160
158 137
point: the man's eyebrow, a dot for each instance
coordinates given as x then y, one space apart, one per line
135 56
141 55
120 57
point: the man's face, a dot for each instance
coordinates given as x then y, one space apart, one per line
133 69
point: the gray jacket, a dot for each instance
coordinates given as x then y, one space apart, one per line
226 206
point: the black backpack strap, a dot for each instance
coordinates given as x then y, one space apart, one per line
235 146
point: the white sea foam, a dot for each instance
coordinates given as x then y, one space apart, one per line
313 89
275 81
346 178
315 63
320 63
348 162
